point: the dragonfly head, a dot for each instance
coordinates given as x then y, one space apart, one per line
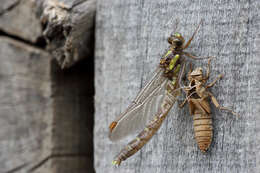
176 40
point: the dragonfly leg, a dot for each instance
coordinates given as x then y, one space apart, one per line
195 57
183 103
194 33
208 70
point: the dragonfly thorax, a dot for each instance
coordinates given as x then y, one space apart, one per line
171 64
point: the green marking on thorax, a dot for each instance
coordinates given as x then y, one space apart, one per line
173 61
168 53
177 70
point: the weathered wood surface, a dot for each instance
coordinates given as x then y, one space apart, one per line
131 36
257 107
46 114
25 106
67 26
69 29
21 18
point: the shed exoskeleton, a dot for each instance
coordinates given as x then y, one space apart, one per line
197 97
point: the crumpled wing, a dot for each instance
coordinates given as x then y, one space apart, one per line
143 108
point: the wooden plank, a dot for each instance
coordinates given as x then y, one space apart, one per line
19 18
46 113
130 39
25 106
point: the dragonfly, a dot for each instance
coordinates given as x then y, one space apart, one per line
152 104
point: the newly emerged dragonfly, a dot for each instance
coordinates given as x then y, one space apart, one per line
154 101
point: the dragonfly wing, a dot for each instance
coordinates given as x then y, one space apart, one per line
155 82
144 107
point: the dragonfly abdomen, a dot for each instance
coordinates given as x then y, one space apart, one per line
145 135
203 130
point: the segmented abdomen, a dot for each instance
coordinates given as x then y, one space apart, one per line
142 138
203 130
152 127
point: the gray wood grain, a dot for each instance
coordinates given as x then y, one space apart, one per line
66 25
19 18
131 36
25 106
257 106
46 113
69 29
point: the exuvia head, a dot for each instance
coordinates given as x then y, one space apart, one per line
197 73
176 40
